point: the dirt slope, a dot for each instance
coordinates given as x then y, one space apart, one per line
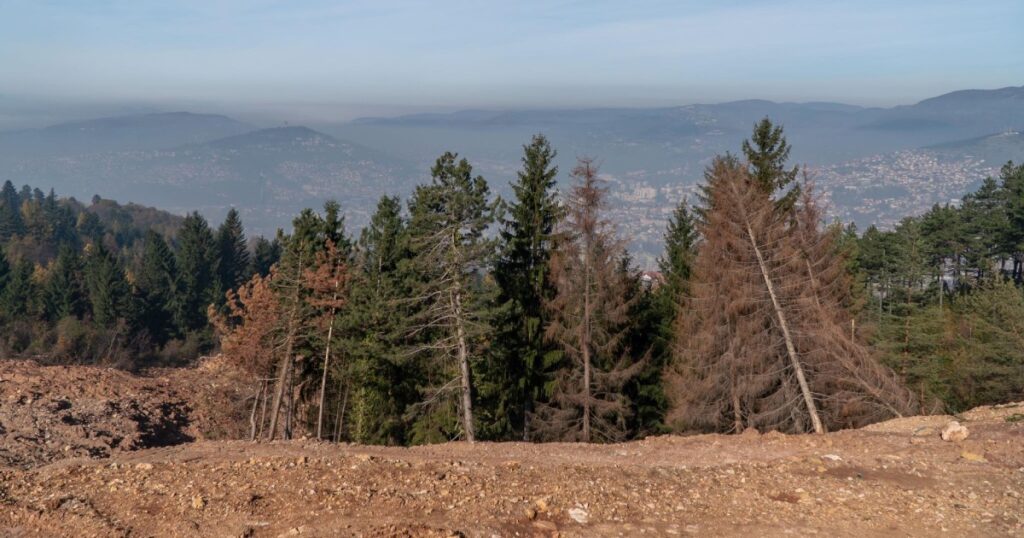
895 478
49 413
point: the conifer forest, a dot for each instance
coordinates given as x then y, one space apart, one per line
456 314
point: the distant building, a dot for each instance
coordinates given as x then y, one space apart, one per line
651 280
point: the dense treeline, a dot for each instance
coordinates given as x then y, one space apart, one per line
942 295
124 285
461 315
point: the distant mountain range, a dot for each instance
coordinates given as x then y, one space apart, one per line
183 160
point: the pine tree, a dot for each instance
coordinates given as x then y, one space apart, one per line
232 253
5 271
18 298
64 291
196 256
155 281
1012 177
11 223
109 293
767 152
521 355
448 218
383 377
265 254
588 322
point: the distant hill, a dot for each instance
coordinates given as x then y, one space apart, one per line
653 156
121 133
269 174
994 149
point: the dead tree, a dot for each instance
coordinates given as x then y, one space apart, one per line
588 315
326 285
762 341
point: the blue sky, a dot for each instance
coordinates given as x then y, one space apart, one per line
452 53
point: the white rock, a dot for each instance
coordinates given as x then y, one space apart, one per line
579 515
954 432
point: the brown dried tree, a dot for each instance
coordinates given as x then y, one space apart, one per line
250 329
588 322
762 341
326 283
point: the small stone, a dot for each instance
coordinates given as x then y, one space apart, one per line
198 502
545 525
531 514
954 432
542 505
302 460
579 515
144 466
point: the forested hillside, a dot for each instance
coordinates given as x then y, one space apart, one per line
458 314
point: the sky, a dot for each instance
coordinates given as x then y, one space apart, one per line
342 58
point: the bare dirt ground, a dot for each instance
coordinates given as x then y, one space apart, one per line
896 478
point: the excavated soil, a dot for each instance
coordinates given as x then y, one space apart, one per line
896 478
49 413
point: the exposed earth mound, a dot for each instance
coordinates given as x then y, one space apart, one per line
57 412
894 478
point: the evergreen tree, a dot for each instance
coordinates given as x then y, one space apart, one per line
10 212
334 227
1012 177
384 378
448 218
265 254
196 255
5 271
18 299
109 293
766 153
232 254
522 272
64 291
155 281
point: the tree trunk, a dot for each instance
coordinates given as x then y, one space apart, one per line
585 347
323 379
812 409
252 415
467 400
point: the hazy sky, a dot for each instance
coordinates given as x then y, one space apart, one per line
448 53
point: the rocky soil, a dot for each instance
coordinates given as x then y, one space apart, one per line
897 478
48 413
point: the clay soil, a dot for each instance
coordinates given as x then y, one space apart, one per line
143 462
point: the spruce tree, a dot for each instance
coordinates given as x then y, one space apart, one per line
63 293
766 153
155 281
265 254
384 378
109 293
516 377
232 254
18 298
10 212
196 255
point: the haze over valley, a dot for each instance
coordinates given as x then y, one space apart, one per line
871 165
